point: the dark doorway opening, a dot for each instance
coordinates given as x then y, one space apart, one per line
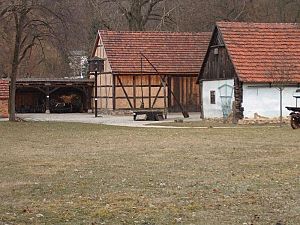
30 100
61 100
68 100
186 92
39 95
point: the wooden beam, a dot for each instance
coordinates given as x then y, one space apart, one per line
149 89
47 100
156 97
137 86
186 92
159 97
54 90
114 91
41 90
184 113
169 92
134 91
125 92
100 90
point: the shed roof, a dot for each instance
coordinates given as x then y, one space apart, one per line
170 53
263 52
4 89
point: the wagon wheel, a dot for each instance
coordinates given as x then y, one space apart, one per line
294 123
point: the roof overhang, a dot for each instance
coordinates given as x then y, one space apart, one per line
174 74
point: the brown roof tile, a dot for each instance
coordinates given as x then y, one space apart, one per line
169 52
263 52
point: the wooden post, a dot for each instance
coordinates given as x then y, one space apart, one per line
96 95
169 93
134 91
149 89
124 90
114 91
165 97
142 89
47 100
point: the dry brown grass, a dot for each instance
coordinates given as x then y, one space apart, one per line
64 173
217 124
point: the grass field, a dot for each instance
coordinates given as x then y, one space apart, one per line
64 173
217 124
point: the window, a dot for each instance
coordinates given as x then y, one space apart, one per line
216 51
212 97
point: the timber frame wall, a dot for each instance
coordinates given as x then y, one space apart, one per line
124 91
131 91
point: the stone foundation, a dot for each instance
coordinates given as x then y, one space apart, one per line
253 121
114 112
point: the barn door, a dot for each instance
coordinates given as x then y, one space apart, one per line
186 92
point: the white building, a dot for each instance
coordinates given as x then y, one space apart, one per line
245 67
78 63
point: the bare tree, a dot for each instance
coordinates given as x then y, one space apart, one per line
281 74
230 10
280 11
29 23
138 13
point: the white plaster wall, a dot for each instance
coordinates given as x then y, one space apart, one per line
213 110
266 101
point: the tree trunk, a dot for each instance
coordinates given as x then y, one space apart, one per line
14 71
135 21
12 99
12 89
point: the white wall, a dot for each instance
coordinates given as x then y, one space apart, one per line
266 101
213 110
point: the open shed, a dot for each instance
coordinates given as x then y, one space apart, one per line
53 95
138 63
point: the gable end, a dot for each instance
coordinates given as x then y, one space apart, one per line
217 63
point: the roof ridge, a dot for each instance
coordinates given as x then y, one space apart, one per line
154 32
256 23
257 49
171 52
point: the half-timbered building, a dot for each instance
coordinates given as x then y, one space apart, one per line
150 70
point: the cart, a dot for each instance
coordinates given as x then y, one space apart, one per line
150 114
295 117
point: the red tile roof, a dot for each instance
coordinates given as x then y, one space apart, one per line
174 53
263 52
4 89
